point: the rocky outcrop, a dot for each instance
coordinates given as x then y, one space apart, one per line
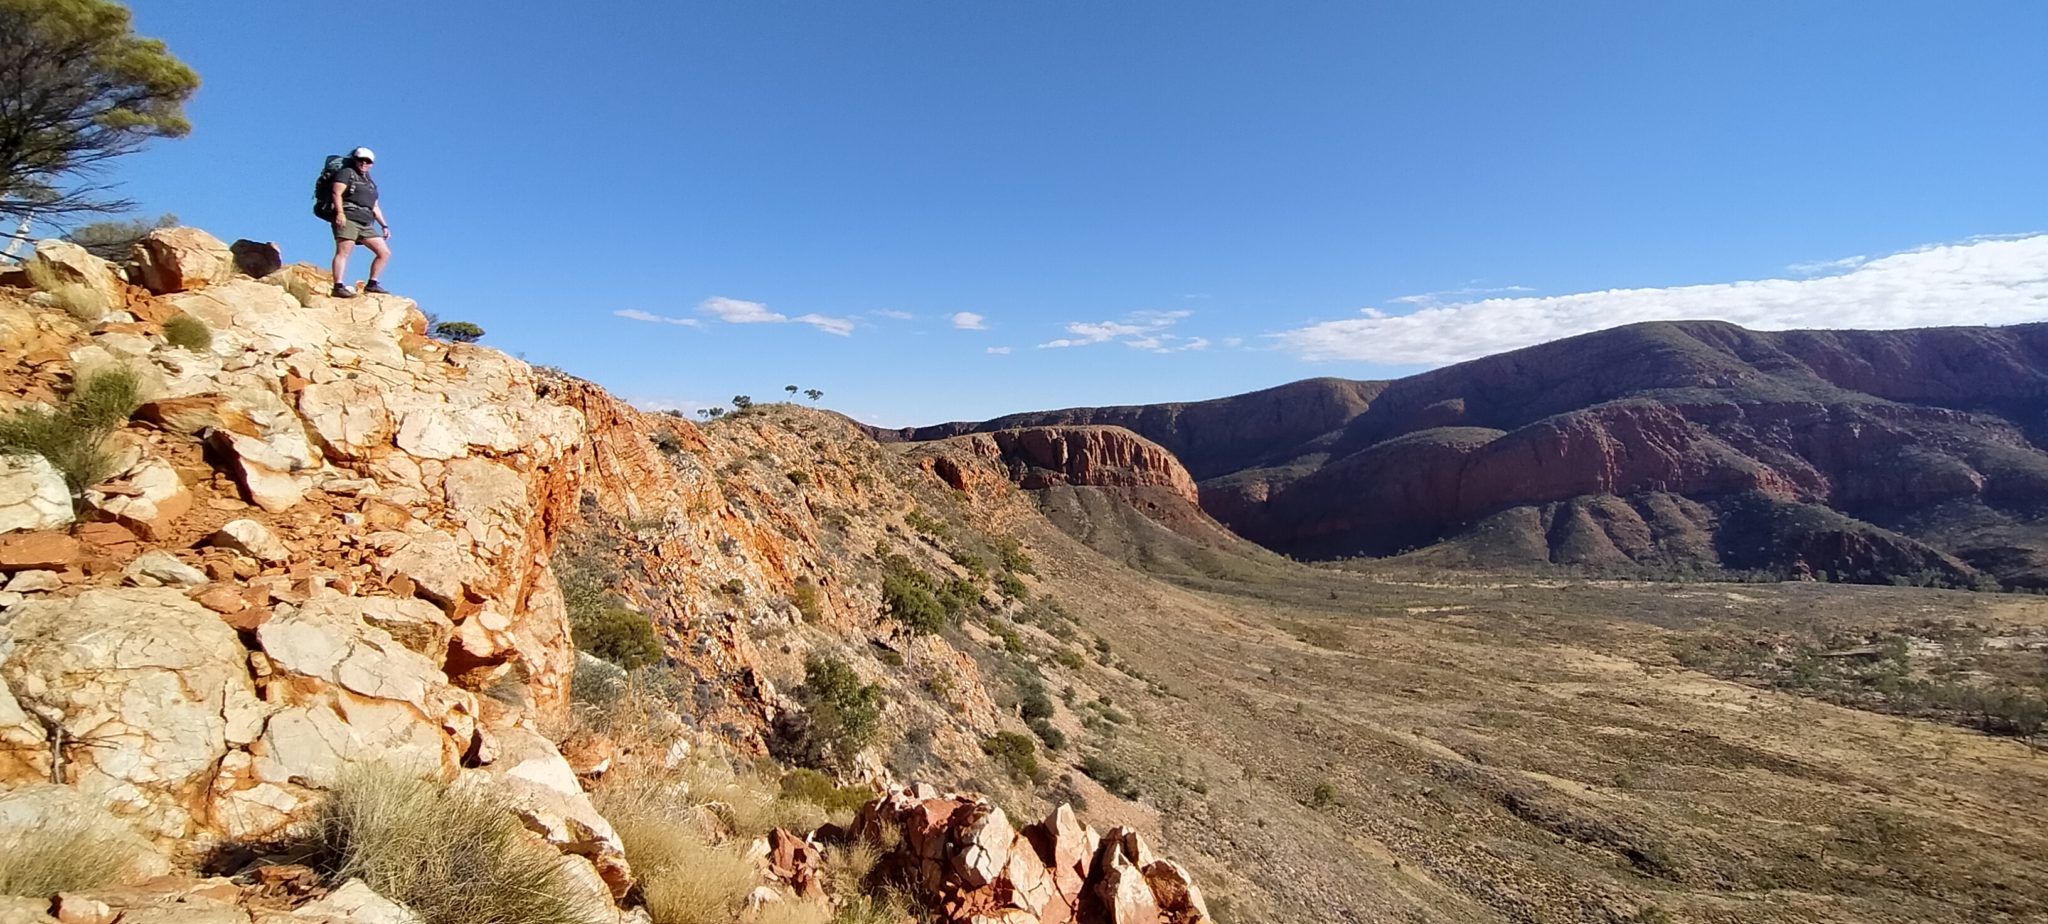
1040 457
963 850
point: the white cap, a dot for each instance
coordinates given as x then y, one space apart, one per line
363 154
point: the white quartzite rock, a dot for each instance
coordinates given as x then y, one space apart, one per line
252 539
161 567
158 497
530 778
171 260
70 264
157 683
33 494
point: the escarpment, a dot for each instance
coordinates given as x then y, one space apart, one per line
316 542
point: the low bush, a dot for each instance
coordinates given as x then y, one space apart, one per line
599 622
1015 754
1054 738
806 785
845 714
52 854
683 876
1112 777
187 332
73 437
450 857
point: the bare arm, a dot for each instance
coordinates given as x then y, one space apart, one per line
378 210
337 190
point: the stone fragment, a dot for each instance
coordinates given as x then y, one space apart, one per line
41 551
1121 887
357 903
33 494
147 498
226 601
984 847
158 567
35 582
172 260
264 474
253 539
194 415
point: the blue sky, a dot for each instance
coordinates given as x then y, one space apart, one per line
1139 201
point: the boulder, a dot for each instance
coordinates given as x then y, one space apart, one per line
194 415
33 494
172 260
257 260
157 683
253 539
64 263
40 551
530 778
35 582
147 498
158 567
264 474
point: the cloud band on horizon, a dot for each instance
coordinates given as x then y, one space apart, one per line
1982 281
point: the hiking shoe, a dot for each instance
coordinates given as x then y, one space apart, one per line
375 287
341 290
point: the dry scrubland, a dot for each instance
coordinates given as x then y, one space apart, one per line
1389 745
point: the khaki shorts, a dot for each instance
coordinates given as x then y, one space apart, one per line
357 231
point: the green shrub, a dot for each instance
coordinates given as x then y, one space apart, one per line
799 479
924 523
1013 587
459 331
845 714
55 853
806 785
452 858
1054 738
618 635
1112 777
1069 658
1323 795
187 332
910 602
977 567
114 240
1014 558
73 437
1016 754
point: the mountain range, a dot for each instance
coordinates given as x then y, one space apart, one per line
1870 456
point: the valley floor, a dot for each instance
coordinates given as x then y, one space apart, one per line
1342 746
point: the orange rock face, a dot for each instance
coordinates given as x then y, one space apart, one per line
1039 457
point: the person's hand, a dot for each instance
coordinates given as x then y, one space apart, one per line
340 224
387 231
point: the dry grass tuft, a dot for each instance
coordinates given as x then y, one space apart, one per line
66 854
685 878
188 332
77 299
451 858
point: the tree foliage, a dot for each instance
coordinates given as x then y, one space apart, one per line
459 331
78 88
845 714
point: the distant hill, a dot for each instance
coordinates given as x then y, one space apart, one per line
1851 455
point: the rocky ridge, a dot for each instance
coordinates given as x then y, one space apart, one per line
329 540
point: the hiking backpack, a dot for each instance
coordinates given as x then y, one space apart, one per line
323 195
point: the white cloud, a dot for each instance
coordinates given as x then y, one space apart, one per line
1827 267
736 311
999 351
1454 295
841 326
686 406
1143 330
1232 343
635 314
894 315
1982 281
968 320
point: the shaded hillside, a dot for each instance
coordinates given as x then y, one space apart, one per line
1915 452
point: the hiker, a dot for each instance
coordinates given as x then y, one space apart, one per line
358 219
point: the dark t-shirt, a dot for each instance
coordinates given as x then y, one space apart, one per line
361 196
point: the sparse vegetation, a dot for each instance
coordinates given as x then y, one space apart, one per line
452 858
684 877
1112 776
917 600
599 622
804 596
73 437
113 240
189 333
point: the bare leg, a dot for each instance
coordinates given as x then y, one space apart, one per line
378 246
341 251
